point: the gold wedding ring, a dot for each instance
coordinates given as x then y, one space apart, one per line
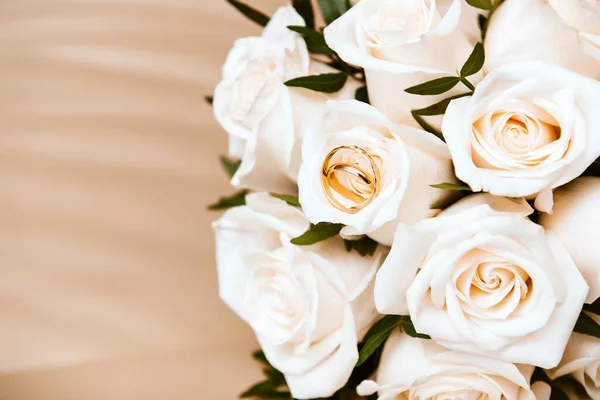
330 181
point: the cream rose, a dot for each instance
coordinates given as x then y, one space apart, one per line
361 170
528 128
582 362
483 278
563 32
413 369
264 118
402 43
576 222
309 306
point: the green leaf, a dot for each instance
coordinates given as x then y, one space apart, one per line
333 9
439 108
408 328
365 246
259 356
326 83
265 390
474 62
451 186
235 200
209 99
291 200
482 4
433 87
593 308
229 166
482 20
315 42
377 336
306 11
426 126
362 94
586 325
317 233
250 12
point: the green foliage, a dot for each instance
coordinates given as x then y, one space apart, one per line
235 200
482 4
586 325
209 99
273 387
229 166
317 233
362 94
306 11
365 246
425 125
315 41
380 332
451 186
474 62
326 83
333 9
440 107
250 12
434 87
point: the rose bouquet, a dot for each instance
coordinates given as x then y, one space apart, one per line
419 198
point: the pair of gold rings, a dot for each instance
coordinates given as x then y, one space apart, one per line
331 182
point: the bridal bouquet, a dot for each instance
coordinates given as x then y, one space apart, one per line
418 214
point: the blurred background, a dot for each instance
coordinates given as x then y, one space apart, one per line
108 158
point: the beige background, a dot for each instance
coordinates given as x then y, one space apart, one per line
108 156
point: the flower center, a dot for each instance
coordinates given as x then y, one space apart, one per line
350 178
489 286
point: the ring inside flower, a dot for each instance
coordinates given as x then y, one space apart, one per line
516 140
490 287
350 178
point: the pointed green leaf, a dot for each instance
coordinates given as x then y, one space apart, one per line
474 62
229 166
451 186
291 200
586 325
235 200
440 107
259 356
481 4
317 233
315 42
365 246
306 11
250 12
326 83
209 99
333 9
409 329
377 336
482 20
362 94
426 126
433 87
593 308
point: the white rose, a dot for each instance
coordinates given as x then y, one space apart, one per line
528 128
384 171
576 222
264 118
415 369
563 32
309 306
483 278
403 43
582 362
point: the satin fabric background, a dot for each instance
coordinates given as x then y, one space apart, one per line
108 157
